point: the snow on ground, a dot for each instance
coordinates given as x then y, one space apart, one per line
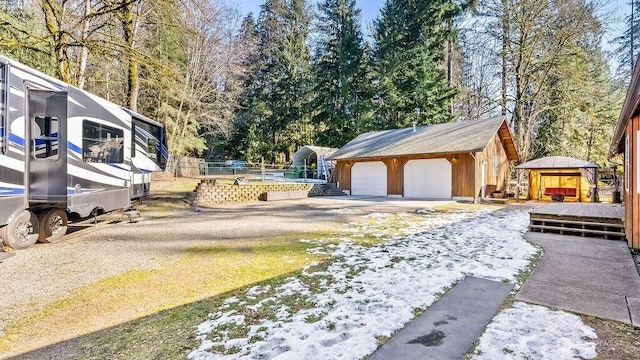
536 332
368 290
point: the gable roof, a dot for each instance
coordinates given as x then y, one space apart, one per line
556 162
447 138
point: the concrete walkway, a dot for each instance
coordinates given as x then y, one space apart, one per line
448 329
584 275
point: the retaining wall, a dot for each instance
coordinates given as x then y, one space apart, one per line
209 192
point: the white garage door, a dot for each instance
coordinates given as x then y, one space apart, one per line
427 178
369 178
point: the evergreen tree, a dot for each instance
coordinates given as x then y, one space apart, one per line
291 99
410 57
275 116
628 44
248 138
342 76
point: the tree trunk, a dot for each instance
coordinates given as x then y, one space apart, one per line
505 39
84 52
54 18
129 22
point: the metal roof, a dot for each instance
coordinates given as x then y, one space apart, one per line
454 137
556 162
307 150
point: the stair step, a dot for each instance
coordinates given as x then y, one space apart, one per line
575 222
583 232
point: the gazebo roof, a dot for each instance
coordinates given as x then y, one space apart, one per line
556 162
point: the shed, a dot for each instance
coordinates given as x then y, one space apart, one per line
315 157
457 160
626 143
560 178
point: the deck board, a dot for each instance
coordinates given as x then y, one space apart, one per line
585 210
581 219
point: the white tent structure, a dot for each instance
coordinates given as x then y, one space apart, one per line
309 156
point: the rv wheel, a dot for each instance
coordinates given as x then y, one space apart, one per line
53 226
22 231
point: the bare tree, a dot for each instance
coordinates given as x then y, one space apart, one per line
479 74
71 29
535 38
206 102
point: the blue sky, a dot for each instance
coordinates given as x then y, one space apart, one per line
370 8
617 10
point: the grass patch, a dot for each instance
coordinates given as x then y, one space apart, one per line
615 340
167 301
176 186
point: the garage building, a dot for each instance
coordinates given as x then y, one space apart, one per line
458 160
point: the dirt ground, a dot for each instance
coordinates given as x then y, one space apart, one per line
46 273
168 226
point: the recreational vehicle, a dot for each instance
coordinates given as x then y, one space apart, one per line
65 152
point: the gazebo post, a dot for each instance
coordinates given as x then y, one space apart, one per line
518 182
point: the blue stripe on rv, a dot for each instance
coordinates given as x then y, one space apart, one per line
4 191
73 147
16 139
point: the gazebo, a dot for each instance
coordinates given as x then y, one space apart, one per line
315 155
559 178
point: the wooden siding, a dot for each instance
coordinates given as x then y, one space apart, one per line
463 171
493 182
631 196
395 175
497 182
343 175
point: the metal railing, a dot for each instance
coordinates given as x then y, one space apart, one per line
273 172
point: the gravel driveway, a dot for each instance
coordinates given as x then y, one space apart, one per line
45 273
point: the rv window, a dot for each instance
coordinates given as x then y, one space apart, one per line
45 137
102 143
4 126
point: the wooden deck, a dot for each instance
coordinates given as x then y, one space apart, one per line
581 219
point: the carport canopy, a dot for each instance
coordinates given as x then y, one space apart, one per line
308 155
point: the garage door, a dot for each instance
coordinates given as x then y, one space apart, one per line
369 178
427 178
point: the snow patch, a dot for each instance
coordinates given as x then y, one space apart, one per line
536 332
371 291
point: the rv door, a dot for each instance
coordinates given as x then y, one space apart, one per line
46 152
